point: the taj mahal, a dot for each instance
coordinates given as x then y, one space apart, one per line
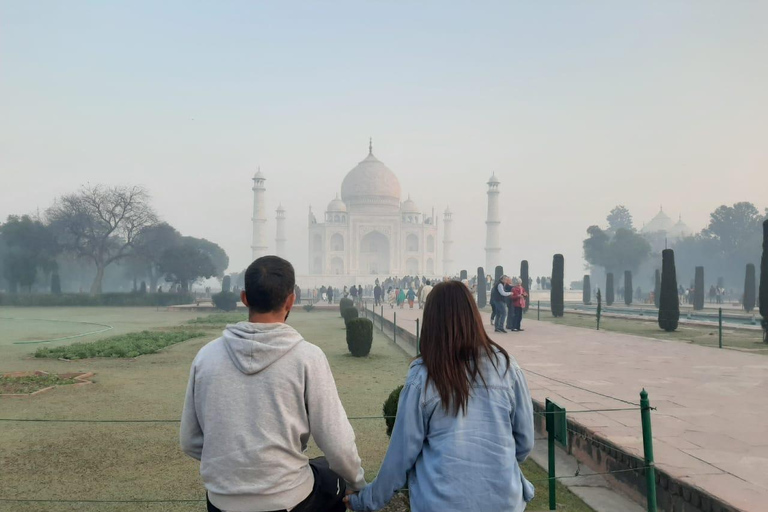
368 231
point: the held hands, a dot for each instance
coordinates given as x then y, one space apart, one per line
346 499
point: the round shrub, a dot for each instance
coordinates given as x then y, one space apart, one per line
225 301
359 336
308 307
390 408
344 304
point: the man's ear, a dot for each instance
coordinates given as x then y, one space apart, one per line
289 302
244 299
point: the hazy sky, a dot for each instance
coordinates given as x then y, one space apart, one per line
576 106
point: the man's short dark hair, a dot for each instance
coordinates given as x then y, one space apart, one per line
268 282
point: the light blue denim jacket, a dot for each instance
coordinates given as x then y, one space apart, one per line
464 463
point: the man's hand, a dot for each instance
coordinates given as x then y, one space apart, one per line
346 499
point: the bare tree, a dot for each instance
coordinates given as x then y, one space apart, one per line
101 223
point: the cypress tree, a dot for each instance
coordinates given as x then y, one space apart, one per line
698 289
55 283
526 282
609 290
749 289
628 287
556 292
226 284
669 301
482 297
499 271
657 289
463 275
764 282
586 291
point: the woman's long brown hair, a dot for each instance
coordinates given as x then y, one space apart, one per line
453 341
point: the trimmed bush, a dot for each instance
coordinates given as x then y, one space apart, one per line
359 336
226 284
143 287
556 293
609 289
526 282
586 291
463 275
55 283
628 287
698 289
344 304
498 272
225 301
764 282
308 307
482 293
657 288
669 301
104 299
349 314
132 344
390 409
749 289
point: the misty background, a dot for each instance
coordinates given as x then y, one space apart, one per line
577 107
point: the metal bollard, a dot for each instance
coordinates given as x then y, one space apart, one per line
394 329
538 310
550 421
720 326
650 466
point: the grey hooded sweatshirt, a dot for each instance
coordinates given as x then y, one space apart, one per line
251 399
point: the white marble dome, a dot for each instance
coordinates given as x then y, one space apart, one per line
371 183
337 205
410 206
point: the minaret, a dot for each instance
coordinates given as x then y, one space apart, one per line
259 245
492 227
280 236
447 242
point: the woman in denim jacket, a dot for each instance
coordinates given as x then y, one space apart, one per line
464 422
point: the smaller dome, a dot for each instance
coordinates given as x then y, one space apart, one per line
409 206
680 229
493 179
337 205
280 208
259 175
448 210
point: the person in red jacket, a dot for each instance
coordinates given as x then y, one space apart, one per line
518 302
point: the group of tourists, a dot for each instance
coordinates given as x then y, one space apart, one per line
256 395
508 300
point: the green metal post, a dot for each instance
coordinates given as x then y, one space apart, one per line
720 326
382 318
538 310
418 338
550 421
394 329
650 467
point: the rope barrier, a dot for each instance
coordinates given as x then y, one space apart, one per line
59 420
581 388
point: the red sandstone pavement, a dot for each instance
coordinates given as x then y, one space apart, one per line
711 424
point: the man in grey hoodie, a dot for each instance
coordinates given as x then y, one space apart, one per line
253 395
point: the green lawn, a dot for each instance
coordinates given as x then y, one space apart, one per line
741 339
114 461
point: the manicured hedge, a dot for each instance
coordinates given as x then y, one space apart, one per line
359 336
390 409
105 299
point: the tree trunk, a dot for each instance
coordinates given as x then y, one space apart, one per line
154 277
96 286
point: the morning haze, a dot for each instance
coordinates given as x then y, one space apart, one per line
575 107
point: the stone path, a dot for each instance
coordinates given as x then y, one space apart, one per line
711 423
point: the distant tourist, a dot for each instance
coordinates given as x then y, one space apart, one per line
510 306
345 292
353 293
464 420
255 396
377 294
359 294
401 297
425 290
519 296
392 296
498 296
411 296
329 293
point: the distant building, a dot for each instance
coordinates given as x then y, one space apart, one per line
369 232
663 232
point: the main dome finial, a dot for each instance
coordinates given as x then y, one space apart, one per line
370 145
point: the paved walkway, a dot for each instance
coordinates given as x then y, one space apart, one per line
711 426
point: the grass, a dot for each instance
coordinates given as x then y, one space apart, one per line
566 500
742 339
125 345
219 319
31 383
116 461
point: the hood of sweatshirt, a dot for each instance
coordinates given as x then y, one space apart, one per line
254 347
